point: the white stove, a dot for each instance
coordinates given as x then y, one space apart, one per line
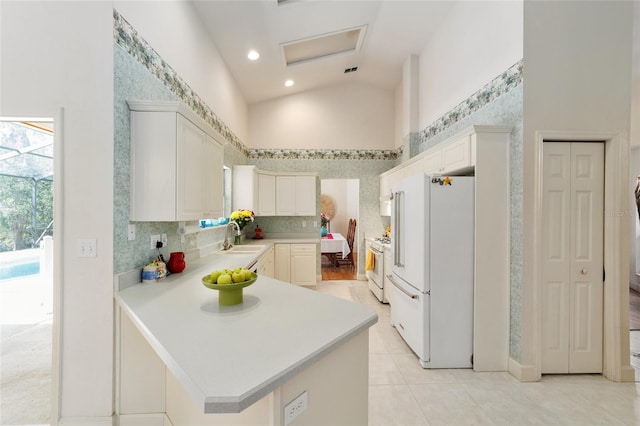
376 248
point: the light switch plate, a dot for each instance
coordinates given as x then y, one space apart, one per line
131 232
86 247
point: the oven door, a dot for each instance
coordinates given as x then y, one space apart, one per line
376 275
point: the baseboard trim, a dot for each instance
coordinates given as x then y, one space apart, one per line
524 373
158 419
92 421
628 374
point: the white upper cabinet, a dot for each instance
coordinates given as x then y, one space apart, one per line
432 163
274 194
214 179
244 184
286 195
457 155
305 195
176 164
296 195
266 195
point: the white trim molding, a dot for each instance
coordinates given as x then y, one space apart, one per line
524 373
616 366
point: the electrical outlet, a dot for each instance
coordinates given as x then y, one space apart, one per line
164 240
154 239
315 223
295 408
86 247
131 232
304 223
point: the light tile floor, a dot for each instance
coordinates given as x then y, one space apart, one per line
402 393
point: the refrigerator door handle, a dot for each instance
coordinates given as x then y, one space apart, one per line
412 296
398 201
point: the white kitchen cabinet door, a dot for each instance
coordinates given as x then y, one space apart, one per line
153 166
303 264
244 186
266 195
305 197
432 163
282 265
285 195
213 174
191 142
266 263
457 155
176 165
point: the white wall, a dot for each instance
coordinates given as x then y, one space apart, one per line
60 54
577 77
476 43
347 116
399 116
173 29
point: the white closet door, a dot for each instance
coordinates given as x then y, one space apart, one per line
572 304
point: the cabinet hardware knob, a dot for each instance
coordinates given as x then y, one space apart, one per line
584 272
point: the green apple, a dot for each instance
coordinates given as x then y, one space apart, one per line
224 279
237 277
214 276
247 274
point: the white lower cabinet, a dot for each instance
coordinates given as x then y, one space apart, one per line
266 263
282 264
296 264
303 264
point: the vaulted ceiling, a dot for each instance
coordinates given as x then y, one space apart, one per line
389 31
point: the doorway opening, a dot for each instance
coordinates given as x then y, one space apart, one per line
26 269
340 203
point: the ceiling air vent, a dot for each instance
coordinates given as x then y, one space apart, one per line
344 42
348 70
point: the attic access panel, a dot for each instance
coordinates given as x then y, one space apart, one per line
343 42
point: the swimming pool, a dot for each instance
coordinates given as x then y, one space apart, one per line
19 270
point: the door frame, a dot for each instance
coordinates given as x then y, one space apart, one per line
58 202
616 357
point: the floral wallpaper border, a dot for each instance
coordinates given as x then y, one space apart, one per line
323 154
500 85
127 37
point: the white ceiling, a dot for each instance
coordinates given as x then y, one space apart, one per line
395 29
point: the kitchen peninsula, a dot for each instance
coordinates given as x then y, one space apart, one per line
184 359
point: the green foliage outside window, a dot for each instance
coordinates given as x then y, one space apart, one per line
16 218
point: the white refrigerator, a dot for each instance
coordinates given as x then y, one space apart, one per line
432 247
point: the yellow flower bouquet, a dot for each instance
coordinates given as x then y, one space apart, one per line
242 217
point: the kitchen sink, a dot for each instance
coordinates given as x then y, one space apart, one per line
248 249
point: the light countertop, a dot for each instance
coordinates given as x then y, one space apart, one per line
228 357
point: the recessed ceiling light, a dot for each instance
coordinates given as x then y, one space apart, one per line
253 55
288 83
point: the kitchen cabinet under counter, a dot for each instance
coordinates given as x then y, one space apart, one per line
184 359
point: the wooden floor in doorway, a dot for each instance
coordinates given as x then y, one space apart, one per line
345 271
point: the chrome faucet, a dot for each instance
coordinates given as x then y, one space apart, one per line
226 245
